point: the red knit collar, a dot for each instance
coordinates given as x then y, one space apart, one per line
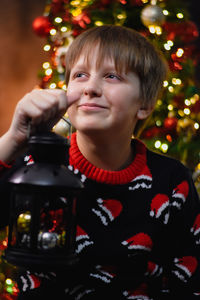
78 161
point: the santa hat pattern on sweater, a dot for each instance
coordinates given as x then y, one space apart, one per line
184 267
103 274
29 281
107 210
139 294
180 194
82 240
140 241
142 180
160 208
153 269
196 229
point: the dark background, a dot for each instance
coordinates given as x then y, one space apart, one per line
21 51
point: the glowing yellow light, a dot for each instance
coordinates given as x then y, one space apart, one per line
159 102
186 111
181 113
171 89
187 102
47 47
5 243
165 83
58 20
196 125
76 12
179 52
64 87
165 12
176 81
170 43
48 72
198 166
46 65
164 147
167 47
53 31
120 16
9 281
152 29
170 107
52 85
158 30
75 3
158 123
144 1
157 144
180 16
98 23
63 29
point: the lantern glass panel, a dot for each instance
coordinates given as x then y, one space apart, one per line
21 221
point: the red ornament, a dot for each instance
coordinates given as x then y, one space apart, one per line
186 31
170 123
82 20
151 132
41 26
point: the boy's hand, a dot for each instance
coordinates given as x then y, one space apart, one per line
42 109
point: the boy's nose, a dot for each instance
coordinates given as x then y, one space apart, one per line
92 89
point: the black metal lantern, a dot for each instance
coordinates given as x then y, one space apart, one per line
42 225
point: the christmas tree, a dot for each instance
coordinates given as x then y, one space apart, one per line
174 126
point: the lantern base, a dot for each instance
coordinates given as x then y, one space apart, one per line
40 261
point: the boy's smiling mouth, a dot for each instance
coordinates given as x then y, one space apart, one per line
91 106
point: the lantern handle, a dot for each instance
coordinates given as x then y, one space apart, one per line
70 127
63 118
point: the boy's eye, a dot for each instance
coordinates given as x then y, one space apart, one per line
79 75
113 76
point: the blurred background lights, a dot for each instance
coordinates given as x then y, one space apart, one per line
157 144
53 31
186 111
171 89
165 12
52 85
180 16
165 83
170 107
170 43
63 29
98 23
187 102
47 47
179 52
58 20
164 147
48 72
46 65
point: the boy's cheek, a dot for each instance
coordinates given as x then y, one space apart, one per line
72 96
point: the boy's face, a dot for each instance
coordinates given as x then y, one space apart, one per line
105 100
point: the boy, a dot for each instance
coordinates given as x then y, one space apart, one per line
138 229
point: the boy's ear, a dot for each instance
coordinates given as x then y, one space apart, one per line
144 112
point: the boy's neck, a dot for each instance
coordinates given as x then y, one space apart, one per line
106 153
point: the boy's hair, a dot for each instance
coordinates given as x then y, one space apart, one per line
130 51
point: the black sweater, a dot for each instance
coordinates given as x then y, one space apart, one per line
138 233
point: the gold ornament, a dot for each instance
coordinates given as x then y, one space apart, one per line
23 222
152 15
